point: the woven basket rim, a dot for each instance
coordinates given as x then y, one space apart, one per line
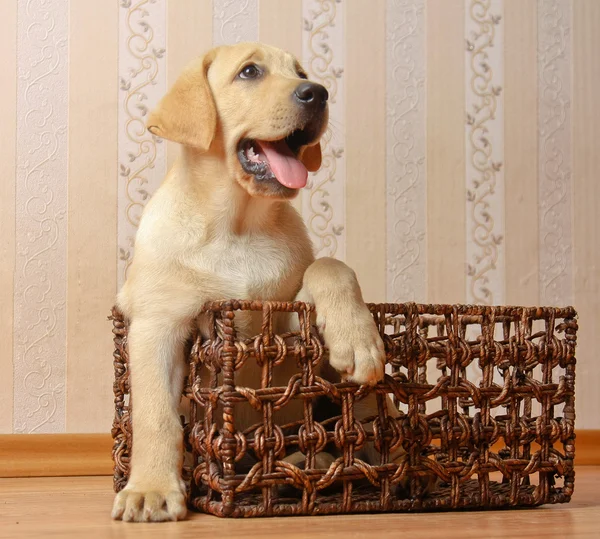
513 311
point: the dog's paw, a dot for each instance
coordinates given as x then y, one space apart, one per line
149 505
355 347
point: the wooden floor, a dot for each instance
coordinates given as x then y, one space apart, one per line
80 507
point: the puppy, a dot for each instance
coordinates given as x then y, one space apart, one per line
221 226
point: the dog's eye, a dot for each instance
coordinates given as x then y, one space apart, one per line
302 75
250 72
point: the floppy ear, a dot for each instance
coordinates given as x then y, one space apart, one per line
311 157
187 113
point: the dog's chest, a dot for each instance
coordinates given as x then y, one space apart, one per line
252 266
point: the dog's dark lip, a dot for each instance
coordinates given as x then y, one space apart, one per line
261 171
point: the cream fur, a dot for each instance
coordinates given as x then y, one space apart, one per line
212 232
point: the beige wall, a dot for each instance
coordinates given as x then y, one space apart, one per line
462 165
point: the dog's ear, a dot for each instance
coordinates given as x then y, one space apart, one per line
187 113
311 157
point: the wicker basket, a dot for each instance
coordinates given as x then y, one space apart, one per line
486 396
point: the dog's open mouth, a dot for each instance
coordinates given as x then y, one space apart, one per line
275 160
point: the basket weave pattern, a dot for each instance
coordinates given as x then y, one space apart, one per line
486 396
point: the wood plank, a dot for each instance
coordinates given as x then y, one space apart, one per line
68 507
587 448
45 455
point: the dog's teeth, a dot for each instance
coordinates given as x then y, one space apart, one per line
252 155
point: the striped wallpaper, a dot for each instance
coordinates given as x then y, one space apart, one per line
461 165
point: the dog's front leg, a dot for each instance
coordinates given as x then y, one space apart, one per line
355 347
155 491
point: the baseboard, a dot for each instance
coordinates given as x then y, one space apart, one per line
50 455
587 448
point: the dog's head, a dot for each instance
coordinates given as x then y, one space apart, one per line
253 105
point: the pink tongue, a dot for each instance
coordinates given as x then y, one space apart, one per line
287 169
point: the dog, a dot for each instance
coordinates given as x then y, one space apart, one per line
221 226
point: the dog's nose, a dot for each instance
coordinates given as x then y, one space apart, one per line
310 93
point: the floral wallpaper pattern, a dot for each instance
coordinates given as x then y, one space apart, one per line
37 365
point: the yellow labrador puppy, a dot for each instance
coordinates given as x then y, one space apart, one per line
221 226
